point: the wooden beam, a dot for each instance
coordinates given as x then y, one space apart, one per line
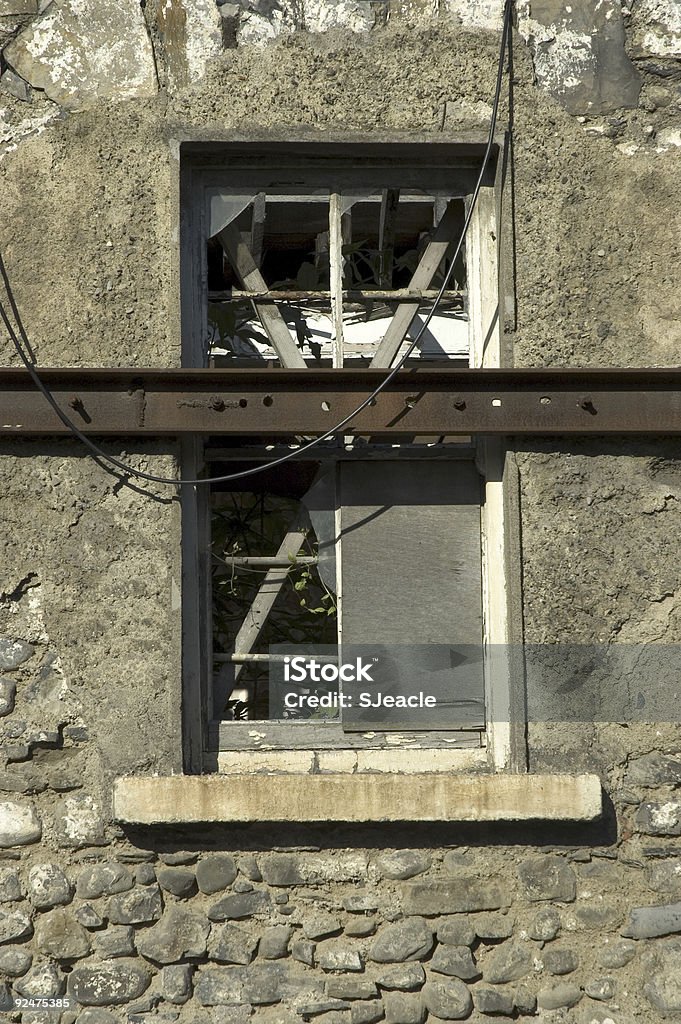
258 228
386 235
273 322
423 275
340 234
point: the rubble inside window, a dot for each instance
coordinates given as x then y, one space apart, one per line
317 277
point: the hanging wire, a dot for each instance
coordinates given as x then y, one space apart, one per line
28 357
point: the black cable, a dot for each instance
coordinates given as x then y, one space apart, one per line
226 478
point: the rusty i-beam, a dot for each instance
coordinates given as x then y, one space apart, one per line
279 402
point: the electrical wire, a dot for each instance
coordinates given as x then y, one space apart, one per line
226 478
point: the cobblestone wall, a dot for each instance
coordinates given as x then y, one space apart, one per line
329 925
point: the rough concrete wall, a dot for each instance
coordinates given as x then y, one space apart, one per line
216 926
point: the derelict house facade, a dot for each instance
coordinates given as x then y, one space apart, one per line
375 716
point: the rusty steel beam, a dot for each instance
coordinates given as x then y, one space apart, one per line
276 402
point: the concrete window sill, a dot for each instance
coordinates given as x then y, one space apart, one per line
186 799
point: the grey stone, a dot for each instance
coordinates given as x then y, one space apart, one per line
231 945
509 962
493 1001
404 1008
403 864
180 933
663 989
458 896
602 989
118 940
274 942
651 922
109 983
96 1015
96 69
21 781
319 925
180 882
19 824
402 976
655 769
457 931
263 984
145 874
14 925
360 902
303 951
560 961
219 985
411 939
366 1013
548 877
241 885
48 886
8 688
215 872
545 925
60 936
665 877
176 983
660 818
14 652
248 866
139 906
565 995
601 916
16 86
103 880
43 979
15 960
360 927
449 1000
238 906
456 961
617 954
88 917
281 869
524 1000
175 857
338 958
492 926
351 988
320 1006
10 888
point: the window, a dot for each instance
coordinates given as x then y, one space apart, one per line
329 255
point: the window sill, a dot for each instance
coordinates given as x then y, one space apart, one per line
186 799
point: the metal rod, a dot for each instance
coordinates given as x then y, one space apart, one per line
269 561
352 295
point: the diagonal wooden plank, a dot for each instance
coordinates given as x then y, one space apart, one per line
275 326
423 275
340 234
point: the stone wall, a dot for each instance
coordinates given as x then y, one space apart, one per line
334 925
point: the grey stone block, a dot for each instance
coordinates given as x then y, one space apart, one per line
219 985
663 988
180 933
411 939
14 653
176 983
456 931
492 926
548 877
231 945
263 984
238 906
449 1000
617 954
360 902
109 983
303 951
281 869
560 996
338 958
118 940
103 880
508 963
351 988
248 866
493 1001
20 824
457 896
360 927
455 961
402 864
560 961
181 882
8 687
145 874
15 960
10 888
660 818
602 989
88 916
215 873
651 922
320 925
545 925
402 976
58 935
524 999
654 769
43 979
139 906
275 941
175 857
14 925
366 1013
404 1008
48 886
